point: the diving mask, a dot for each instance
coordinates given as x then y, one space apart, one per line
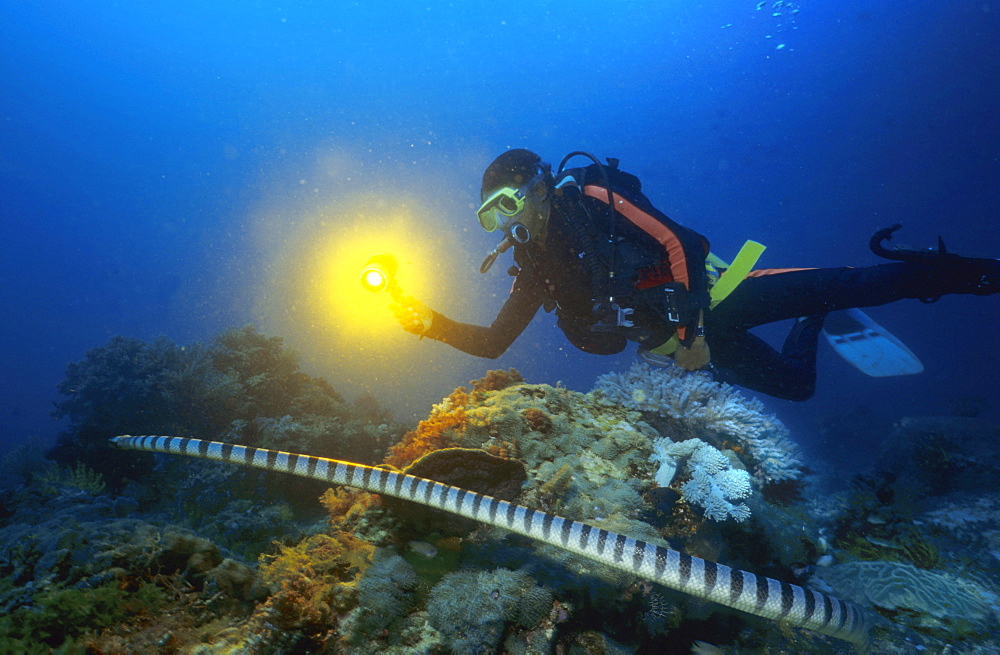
507 209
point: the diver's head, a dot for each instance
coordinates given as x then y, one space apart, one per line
515 196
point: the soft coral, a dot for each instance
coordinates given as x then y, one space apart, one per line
439 430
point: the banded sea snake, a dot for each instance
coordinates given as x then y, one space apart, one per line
758 595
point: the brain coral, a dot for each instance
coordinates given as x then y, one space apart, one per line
927 600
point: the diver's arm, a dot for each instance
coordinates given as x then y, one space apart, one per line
492 341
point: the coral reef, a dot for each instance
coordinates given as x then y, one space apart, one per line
439 430
923 522
77 575
942 454
313 582
714 411
386 593
60 617
143 554
246 388
53 480
64 527
447 420
465 468
972 522
596 457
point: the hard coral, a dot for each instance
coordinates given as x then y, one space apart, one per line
53 480
936 603
439 430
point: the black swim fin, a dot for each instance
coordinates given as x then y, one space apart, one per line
900 254
977 275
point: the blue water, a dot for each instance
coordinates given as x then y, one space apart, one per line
157 157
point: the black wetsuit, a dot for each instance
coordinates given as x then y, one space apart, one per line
557 278
742 358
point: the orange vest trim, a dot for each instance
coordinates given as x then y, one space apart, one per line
761 272
651 226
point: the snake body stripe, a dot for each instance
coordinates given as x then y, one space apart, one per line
761 596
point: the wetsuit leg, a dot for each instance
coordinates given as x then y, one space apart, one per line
744 359
807 292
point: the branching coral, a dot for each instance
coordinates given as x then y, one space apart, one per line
717 411
54 480
714 483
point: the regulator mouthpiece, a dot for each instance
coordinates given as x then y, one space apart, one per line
492 257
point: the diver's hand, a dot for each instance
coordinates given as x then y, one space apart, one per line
413 315
698 355
694 357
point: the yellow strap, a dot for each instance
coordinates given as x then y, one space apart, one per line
742 264
668 347
735 273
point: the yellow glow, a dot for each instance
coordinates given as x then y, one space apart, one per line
324 291
314 236
314 297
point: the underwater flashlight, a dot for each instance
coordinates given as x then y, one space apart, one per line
379 273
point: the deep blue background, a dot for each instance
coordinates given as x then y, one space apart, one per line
139 140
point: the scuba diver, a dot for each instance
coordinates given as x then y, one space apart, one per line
590 246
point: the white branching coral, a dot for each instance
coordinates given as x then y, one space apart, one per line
717 409
714 483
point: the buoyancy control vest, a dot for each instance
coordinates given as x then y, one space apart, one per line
647 273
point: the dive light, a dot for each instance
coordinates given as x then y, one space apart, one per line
379 273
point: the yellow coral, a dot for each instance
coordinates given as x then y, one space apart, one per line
448 420
440 430
347 505
314 581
